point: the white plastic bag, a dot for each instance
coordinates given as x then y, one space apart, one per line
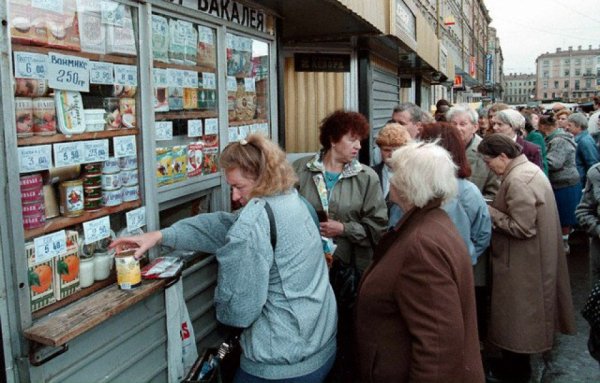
181 349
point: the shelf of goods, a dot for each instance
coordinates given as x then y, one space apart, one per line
92 56
38 140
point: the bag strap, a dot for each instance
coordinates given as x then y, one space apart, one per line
273 228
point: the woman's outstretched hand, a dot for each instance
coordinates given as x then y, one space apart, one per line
141 243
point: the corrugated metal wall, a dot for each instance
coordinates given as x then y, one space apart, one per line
309 97
385 95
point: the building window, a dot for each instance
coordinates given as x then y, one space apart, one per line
545 84
577 72
588 84
555 84
545 95
577 61
566 72
546 74
588 71
566 86
576 84
566 61
547 62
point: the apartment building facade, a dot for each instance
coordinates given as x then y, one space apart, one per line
519 88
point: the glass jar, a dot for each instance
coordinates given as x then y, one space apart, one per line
86 271
102 265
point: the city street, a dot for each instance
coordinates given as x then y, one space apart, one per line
570 361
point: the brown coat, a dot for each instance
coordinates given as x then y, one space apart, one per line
531 294
415 313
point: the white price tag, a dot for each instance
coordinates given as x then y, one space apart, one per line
101 73
49 5
205 35
249 84
194 128
112 13
211 126
35 158
50 246
175 78
159 76
190 79
125 75
164 130
136 218
233 134
95 151
231 84
68 153
68 72
124 146
209 80
244 131
95 230
31 65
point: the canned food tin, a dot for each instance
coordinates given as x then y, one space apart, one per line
33 221
129 177
92 168
92 192
33 208
129 274
92 180
127 109
92 204
71 198
128 162
111 166
31 182
111 181
24 116
131 193
112 197
33 195
44 116
112 117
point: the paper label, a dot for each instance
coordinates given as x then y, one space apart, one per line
194 128
244 131
231 84
124 146
112 12
249 84
101 73
125 75
68 153
136 218
68 72
35 158
233 134
190 79
175 78
211 126
160 78
96 230
205 35
50 246
164 130
49 5
31 65
95 151
209 80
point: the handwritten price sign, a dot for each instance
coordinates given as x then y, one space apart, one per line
194 128
124 146
136 218
209 80
95 151
101 73
68 72
50 246
96 230
69 153
125 75
175 77
35 158
31 65
164 130
211 126
231 84
160 78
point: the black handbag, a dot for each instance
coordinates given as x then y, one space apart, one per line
344 279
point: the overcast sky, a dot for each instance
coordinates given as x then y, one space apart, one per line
529 28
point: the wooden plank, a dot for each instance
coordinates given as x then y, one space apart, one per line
40 140
185 114
61 327
196 68
92 56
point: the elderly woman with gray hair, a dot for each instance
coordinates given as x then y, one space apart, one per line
510 123
586 154
415 311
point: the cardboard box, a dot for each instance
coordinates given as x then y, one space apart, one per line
41 280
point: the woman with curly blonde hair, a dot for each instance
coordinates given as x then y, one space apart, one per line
274 285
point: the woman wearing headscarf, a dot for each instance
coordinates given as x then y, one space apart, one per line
531 295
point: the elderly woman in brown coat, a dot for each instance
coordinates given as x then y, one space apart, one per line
531 295
415 312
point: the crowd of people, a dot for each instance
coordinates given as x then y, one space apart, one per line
458 237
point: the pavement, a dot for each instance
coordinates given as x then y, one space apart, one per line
569 361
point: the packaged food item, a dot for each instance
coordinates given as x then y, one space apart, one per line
69 112
63 27
129 177
92 192
160 100
190 98
127 110
24 116
92 180
31 182
57 175
41 279
112 117
120 36
206 47
44 116
103 262
194 157
33 221
86 271
207 99
71 198
164 166
111 181
211 154
177 35
66 273
160 39
93 204
92 168
112 197
26 23
191 44
35 208
32 195
129 274
31 87
111 166
131 193
128 162
92 31
175 98
179 163
51 208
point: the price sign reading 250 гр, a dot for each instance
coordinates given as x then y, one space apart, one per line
68 72
124 146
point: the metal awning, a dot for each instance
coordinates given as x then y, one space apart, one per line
318 20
